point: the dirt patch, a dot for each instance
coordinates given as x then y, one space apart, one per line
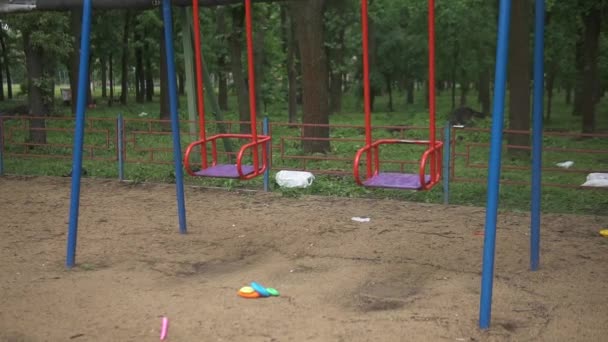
412 273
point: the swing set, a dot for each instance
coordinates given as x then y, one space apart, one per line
257 145
431 158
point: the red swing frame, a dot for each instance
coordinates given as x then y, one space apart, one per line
433 153
257 141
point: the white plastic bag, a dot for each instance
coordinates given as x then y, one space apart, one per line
597 180
294 179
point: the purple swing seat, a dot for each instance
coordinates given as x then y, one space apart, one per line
225 171
394 180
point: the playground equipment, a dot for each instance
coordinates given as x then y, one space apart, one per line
431 156
500 81
371 149
257 142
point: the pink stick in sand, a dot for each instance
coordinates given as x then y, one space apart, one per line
164 328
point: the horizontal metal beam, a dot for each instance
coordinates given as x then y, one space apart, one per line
7 6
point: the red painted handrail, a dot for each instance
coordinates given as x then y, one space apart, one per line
260 140
432 152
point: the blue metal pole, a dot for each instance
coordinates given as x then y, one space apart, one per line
537 133
489 245
81 105
177 149
447 139
120 124
266 131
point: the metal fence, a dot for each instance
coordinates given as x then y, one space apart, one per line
121 142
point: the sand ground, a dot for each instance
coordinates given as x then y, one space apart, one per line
411 274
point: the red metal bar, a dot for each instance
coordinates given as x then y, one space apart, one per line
251 70
366 86
435 150
432 108
260 141
199 80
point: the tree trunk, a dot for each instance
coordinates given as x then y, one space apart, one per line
568 94
309 31
592 21
464 89
1 81
165 113
238 76
292 73
389 89
335 78
372 60
519 75
7 69
550 83
125 60
74 56
454 70
222 64
111 71
140 84
484 90
259 58
410 92
148 74
38 89
580 70
181 83
104 76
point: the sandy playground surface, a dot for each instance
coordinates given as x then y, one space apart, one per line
411 274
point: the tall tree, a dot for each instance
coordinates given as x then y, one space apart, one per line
74 57
592 21
7 62
289 46
125 59
43 49
240 84
165 113
309 32
140 83
222 58
519 74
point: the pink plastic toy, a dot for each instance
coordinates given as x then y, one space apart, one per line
164 328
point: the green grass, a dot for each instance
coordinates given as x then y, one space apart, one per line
100 143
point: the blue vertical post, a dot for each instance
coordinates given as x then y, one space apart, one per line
120 150
489 244
537 132
266 131
447 140
177 149
81 105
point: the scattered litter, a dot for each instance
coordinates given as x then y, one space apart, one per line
566 164
142 114
360 219
164 328
294 179
604 232
478 233
597 180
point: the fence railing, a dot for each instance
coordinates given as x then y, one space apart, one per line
148 141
